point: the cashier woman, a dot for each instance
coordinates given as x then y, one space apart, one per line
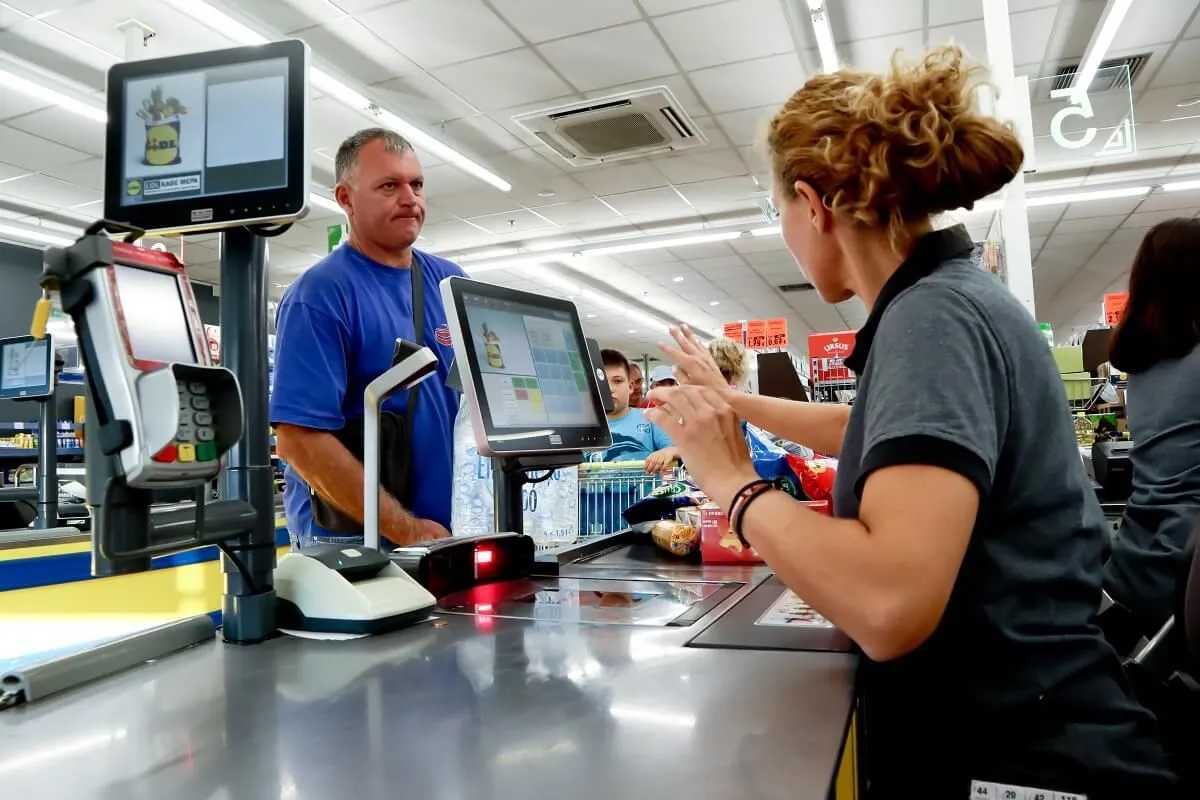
964 555
335 332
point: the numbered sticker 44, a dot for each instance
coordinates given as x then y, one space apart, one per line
981 790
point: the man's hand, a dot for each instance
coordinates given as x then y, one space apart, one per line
662 460
416 531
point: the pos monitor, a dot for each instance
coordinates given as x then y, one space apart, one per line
525 370
208 140
26 368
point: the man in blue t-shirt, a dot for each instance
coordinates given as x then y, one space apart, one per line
336 328
634 438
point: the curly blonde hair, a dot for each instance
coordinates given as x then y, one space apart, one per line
731 360
889 149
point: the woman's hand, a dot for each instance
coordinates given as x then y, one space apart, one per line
708 436
694 365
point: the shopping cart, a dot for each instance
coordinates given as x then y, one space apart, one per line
607 490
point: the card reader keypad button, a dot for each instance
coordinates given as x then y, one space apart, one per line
195 438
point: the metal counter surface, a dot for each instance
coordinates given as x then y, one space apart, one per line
481 708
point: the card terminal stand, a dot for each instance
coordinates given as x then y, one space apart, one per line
29 371
161 415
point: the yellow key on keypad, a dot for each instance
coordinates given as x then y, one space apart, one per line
186 453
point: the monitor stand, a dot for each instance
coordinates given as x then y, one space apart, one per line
512 474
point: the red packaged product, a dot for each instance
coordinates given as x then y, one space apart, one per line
816 475
719 545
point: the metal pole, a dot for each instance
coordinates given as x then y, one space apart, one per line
249 607
47 510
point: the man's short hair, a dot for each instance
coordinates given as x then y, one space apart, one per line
615 358
347 153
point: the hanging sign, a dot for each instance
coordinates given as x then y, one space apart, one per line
1114 307
777 334
735 331
756 334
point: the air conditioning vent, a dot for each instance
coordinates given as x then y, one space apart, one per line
613 128
1110 76
795 287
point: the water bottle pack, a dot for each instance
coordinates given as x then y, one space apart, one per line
551 507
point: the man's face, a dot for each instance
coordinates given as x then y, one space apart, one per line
384 197
618 381
635 386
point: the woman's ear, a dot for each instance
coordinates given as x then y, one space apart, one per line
819 216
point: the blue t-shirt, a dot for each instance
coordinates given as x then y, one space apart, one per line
634 437
336 328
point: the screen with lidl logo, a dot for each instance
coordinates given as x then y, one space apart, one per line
205 132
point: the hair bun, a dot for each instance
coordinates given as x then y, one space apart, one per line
889 148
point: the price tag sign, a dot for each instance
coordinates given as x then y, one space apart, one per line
1114 307
735 331
777 337
756 334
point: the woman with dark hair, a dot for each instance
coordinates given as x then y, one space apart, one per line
1156 344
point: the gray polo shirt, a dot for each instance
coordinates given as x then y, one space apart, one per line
1150 555
1015 685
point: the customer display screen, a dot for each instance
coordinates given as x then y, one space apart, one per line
532 364
25 367
205 132
154 315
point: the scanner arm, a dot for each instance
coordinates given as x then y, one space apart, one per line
405 374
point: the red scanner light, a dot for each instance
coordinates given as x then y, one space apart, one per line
484 555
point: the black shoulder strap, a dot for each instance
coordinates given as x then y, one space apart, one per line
418 300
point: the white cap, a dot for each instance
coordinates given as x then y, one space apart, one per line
663 372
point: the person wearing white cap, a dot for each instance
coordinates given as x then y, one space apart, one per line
662 375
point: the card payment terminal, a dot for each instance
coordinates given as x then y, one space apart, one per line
163 410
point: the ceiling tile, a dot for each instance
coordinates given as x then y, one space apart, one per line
503 80
722 34
620 178
542 20
1186 203
62 127
590 211
731 190
540 190
1180 67
749 126
358 51
968 35
422 98
1148 219
88 174
33 152
601 58
875 55
869 19
648 201
1031 34
701 165
1152 22
948 12
511 222
47 191
656 7
750 84
1088 225
455 235
1101 208
434 33
477 202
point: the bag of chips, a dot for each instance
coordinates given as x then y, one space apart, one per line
817 476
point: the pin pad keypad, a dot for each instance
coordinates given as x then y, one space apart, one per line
195 439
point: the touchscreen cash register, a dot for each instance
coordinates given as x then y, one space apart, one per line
528 377
26 368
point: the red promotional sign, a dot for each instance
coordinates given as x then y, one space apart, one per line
777 334
1114 307
756 334
735 331
826 354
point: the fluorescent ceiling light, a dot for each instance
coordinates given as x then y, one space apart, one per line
52 97
774 230
1110 23
243 34
1084 197
34 235
1181 186
819 14
683 241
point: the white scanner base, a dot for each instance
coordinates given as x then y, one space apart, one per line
316 598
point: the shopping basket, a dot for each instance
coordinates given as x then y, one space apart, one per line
607 490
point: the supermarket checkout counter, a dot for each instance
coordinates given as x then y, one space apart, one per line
516 681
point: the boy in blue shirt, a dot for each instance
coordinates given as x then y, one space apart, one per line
634 437
335 332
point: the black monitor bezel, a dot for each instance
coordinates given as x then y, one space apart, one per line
226 210
50 376
509 441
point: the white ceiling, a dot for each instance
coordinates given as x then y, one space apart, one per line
463 68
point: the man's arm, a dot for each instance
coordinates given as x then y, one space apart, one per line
335 474
817 426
